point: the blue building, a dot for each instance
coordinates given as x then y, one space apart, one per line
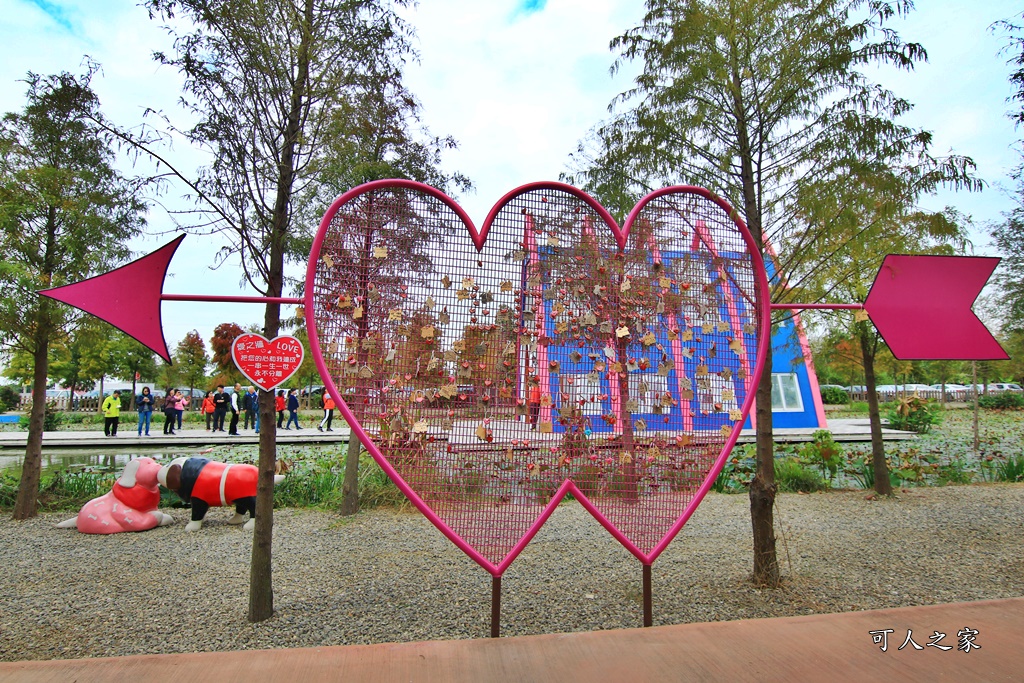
686 372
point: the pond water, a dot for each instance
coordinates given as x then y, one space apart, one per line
80 459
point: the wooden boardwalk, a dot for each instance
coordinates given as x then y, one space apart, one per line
823 647
127 436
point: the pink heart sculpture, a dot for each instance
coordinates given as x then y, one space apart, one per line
266 363
551 352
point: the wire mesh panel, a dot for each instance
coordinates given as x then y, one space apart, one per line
487 378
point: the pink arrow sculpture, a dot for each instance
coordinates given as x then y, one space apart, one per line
129 297
921 306
492 371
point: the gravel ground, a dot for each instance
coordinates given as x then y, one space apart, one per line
386 576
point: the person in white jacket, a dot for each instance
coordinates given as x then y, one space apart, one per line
235 404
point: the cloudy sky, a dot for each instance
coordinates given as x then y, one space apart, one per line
518 83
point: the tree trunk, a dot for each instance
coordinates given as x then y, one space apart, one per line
630 476
350 487
878 462
26 505
762 487
974 388
261 588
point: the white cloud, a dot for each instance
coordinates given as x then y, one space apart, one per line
517 90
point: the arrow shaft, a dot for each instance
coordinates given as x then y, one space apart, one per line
231 299
806 307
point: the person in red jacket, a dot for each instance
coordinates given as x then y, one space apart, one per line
534 402
279 406
208 409
328 413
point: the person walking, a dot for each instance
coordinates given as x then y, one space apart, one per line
254 398
170 411
328 412
534 402
249 405
208 408
235 407
220 408
144 404
180 403
293 409
279 406
111 413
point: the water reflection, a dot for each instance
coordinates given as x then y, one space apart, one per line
95 459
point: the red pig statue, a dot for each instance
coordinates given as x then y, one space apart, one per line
129 506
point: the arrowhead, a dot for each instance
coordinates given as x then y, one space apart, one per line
128 298
921 306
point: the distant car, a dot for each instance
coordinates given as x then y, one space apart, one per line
1003 386
908 389
832 386
856 388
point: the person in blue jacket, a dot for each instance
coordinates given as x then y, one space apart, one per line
144 404
293 409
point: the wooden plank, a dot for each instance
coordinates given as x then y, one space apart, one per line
833 647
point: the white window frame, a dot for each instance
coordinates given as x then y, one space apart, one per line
779 402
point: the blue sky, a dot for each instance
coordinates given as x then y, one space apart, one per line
518 83
529 6
55 11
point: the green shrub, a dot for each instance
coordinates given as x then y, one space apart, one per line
862 471
87 417
911 466
824 453
66 490
375 487
737 472
1006 400
834 396
51 420
792 476
1011 469
914 414
8 490
8 398
954 472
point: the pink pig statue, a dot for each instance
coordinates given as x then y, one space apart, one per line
129 506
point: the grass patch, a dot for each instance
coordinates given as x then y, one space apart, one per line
1011 469
791 475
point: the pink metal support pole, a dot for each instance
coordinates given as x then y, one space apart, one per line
232 299
648 597
495 606
817 307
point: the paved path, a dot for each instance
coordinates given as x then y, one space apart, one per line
820 647
183 437
842 430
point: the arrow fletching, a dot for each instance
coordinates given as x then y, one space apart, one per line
921 305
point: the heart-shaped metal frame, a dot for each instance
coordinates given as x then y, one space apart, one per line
761 310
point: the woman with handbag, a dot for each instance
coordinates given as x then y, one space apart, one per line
170 411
